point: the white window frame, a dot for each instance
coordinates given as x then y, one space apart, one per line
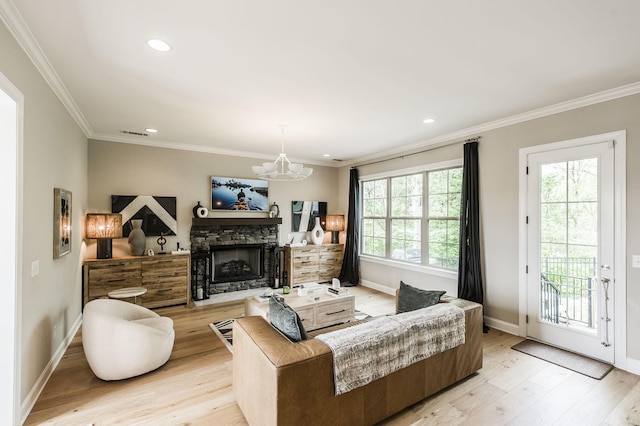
447 273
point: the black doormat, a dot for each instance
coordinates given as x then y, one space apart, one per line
569 360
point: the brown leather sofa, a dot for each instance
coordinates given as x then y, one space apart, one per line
277 382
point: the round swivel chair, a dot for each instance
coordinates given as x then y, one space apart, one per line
123 340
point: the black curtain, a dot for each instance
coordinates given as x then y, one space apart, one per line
350 272
469 267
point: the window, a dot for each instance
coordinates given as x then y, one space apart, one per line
445 191
397 223
374 224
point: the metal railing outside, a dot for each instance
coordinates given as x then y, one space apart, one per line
568 290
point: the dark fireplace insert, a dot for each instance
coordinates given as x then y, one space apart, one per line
240 262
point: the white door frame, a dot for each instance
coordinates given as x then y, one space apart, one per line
11 171
620 244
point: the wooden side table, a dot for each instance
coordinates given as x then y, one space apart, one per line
125 293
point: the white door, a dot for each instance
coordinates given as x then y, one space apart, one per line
570 249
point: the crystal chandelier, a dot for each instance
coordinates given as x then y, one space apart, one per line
282 168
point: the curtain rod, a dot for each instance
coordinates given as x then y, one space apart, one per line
474 139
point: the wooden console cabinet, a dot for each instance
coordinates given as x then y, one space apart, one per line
312 263
166 278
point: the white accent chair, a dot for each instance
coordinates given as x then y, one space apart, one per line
123 340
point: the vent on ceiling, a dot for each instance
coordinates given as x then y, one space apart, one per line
129 132
337 159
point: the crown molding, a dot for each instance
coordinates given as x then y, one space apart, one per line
455 137
156 143
439 141
23 35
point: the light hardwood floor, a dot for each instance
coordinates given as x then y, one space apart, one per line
194 387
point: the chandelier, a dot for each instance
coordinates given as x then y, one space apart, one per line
282 168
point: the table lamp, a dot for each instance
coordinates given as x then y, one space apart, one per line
104 227
335 224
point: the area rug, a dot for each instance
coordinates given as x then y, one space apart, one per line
224 329
569 360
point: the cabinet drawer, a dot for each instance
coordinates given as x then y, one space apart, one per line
306 316
304 262
332 313
327 273
305 276
305 252
164 296
156 283
100 290
164 267
331 253
114 272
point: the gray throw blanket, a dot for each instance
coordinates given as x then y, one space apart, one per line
371 350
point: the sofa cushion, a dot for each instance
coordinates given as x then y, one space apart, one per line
286 320
411 298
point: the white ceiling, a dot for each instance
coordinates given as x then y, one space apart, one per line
350 78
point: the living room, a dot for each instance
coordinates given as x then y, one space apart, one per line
56 151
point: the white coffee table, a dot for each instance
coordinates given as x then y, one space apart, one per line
125 293
316 310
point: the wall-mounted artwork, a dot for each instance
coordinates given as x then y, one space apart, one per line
158 214
61 222
239 194
304 213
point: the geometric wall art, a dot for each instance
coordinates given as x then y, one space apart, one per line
158 214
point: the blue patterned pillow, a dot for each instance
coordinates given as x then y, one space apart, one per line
286 320
411 298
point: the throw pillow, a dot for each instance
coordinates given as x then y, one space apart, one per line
286 320
411 298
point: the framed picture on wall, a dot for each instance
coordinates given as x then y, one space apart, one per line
158 213
61 222
239 194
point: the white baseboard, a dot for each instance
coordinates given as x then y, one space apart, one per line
379 287
633 366
38 387
507 327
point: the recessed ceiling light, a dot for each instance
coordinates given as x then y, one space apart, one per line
429 120
159 45
326 155
150 130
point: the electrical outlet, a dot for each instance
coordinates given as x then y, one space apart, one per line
35 268
55 332
635 261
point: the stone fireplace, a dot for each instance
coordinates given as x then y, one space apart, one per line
232 254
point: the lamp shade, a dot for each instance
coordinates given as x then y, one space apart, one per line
335 222
104 225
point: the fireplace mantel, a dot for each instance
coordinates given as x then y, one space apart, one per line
236 221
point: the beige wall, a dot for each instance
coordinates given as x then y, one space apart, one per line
499 159
125 169
55 155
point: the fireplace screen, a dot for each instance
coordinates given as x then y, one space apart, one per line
237 262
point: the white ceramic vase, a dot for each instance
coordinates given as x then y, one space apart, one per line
317 233
137 238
